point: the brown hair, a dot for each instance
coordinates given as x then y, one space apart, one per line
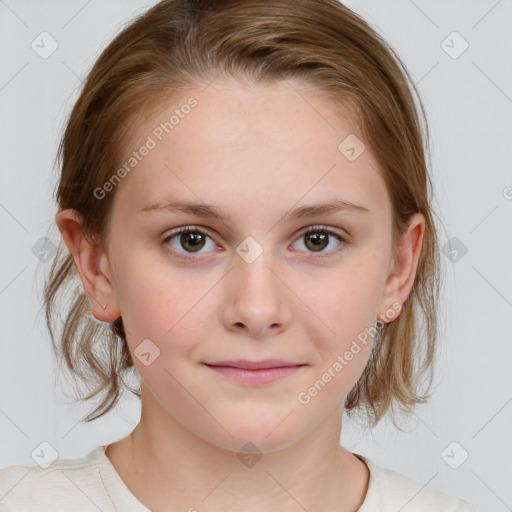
178 43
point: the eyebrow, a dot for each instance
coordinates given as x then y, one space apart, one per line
207 211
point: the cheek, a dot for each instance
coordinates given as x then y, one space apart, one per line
147 297
342 331
160 324
161 304
345 308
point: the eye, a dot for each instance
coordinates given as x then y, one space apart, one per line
191 239
318 238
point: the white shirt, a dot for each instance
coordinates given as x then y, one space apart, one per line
92 484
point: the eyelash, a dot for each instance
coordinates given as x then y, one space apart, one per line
311 229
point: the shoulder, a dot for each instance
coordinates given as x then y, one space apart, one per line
390 491
66 483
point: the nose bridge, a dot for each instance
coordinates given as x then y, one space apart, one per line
254 271
257 299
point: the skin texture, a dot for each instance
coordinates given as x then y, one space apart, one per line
254 151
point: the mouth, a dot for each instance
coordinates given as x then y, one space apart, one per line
255 372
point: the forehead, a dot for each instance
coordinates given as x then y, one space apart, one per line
251 146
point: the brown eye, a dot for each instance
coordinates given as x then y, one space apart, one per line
317 239
190 241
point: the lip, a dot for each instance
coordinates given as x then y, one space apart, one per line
255 365
255 372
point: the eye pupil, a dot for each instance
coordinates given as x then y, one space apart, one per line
195 237
317 238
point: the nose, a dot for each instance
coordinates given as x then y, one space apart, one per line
258 300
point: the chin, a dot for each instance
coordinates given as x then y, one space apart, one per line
266 435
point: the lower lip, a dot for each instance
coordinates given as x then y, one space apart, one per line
255 377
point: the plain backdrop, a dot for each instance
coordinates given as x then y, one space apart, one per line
459 53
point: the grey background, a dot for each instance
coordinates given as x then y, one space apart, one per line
469 107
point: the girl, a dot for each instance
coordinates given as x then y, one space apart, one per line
245 200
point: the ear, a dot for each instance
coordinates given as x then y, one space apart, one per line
403 268
92 265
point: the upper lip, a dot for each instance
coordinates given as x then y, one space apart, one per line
255 365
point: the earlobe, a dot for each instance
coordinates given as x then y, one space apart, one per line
87 255
400 280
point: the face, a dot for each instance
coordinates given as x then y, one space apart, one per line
253 285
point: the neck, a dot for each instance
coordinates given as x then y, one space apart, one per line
171 468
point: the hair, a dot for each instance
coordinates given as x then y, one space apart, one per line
177 44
